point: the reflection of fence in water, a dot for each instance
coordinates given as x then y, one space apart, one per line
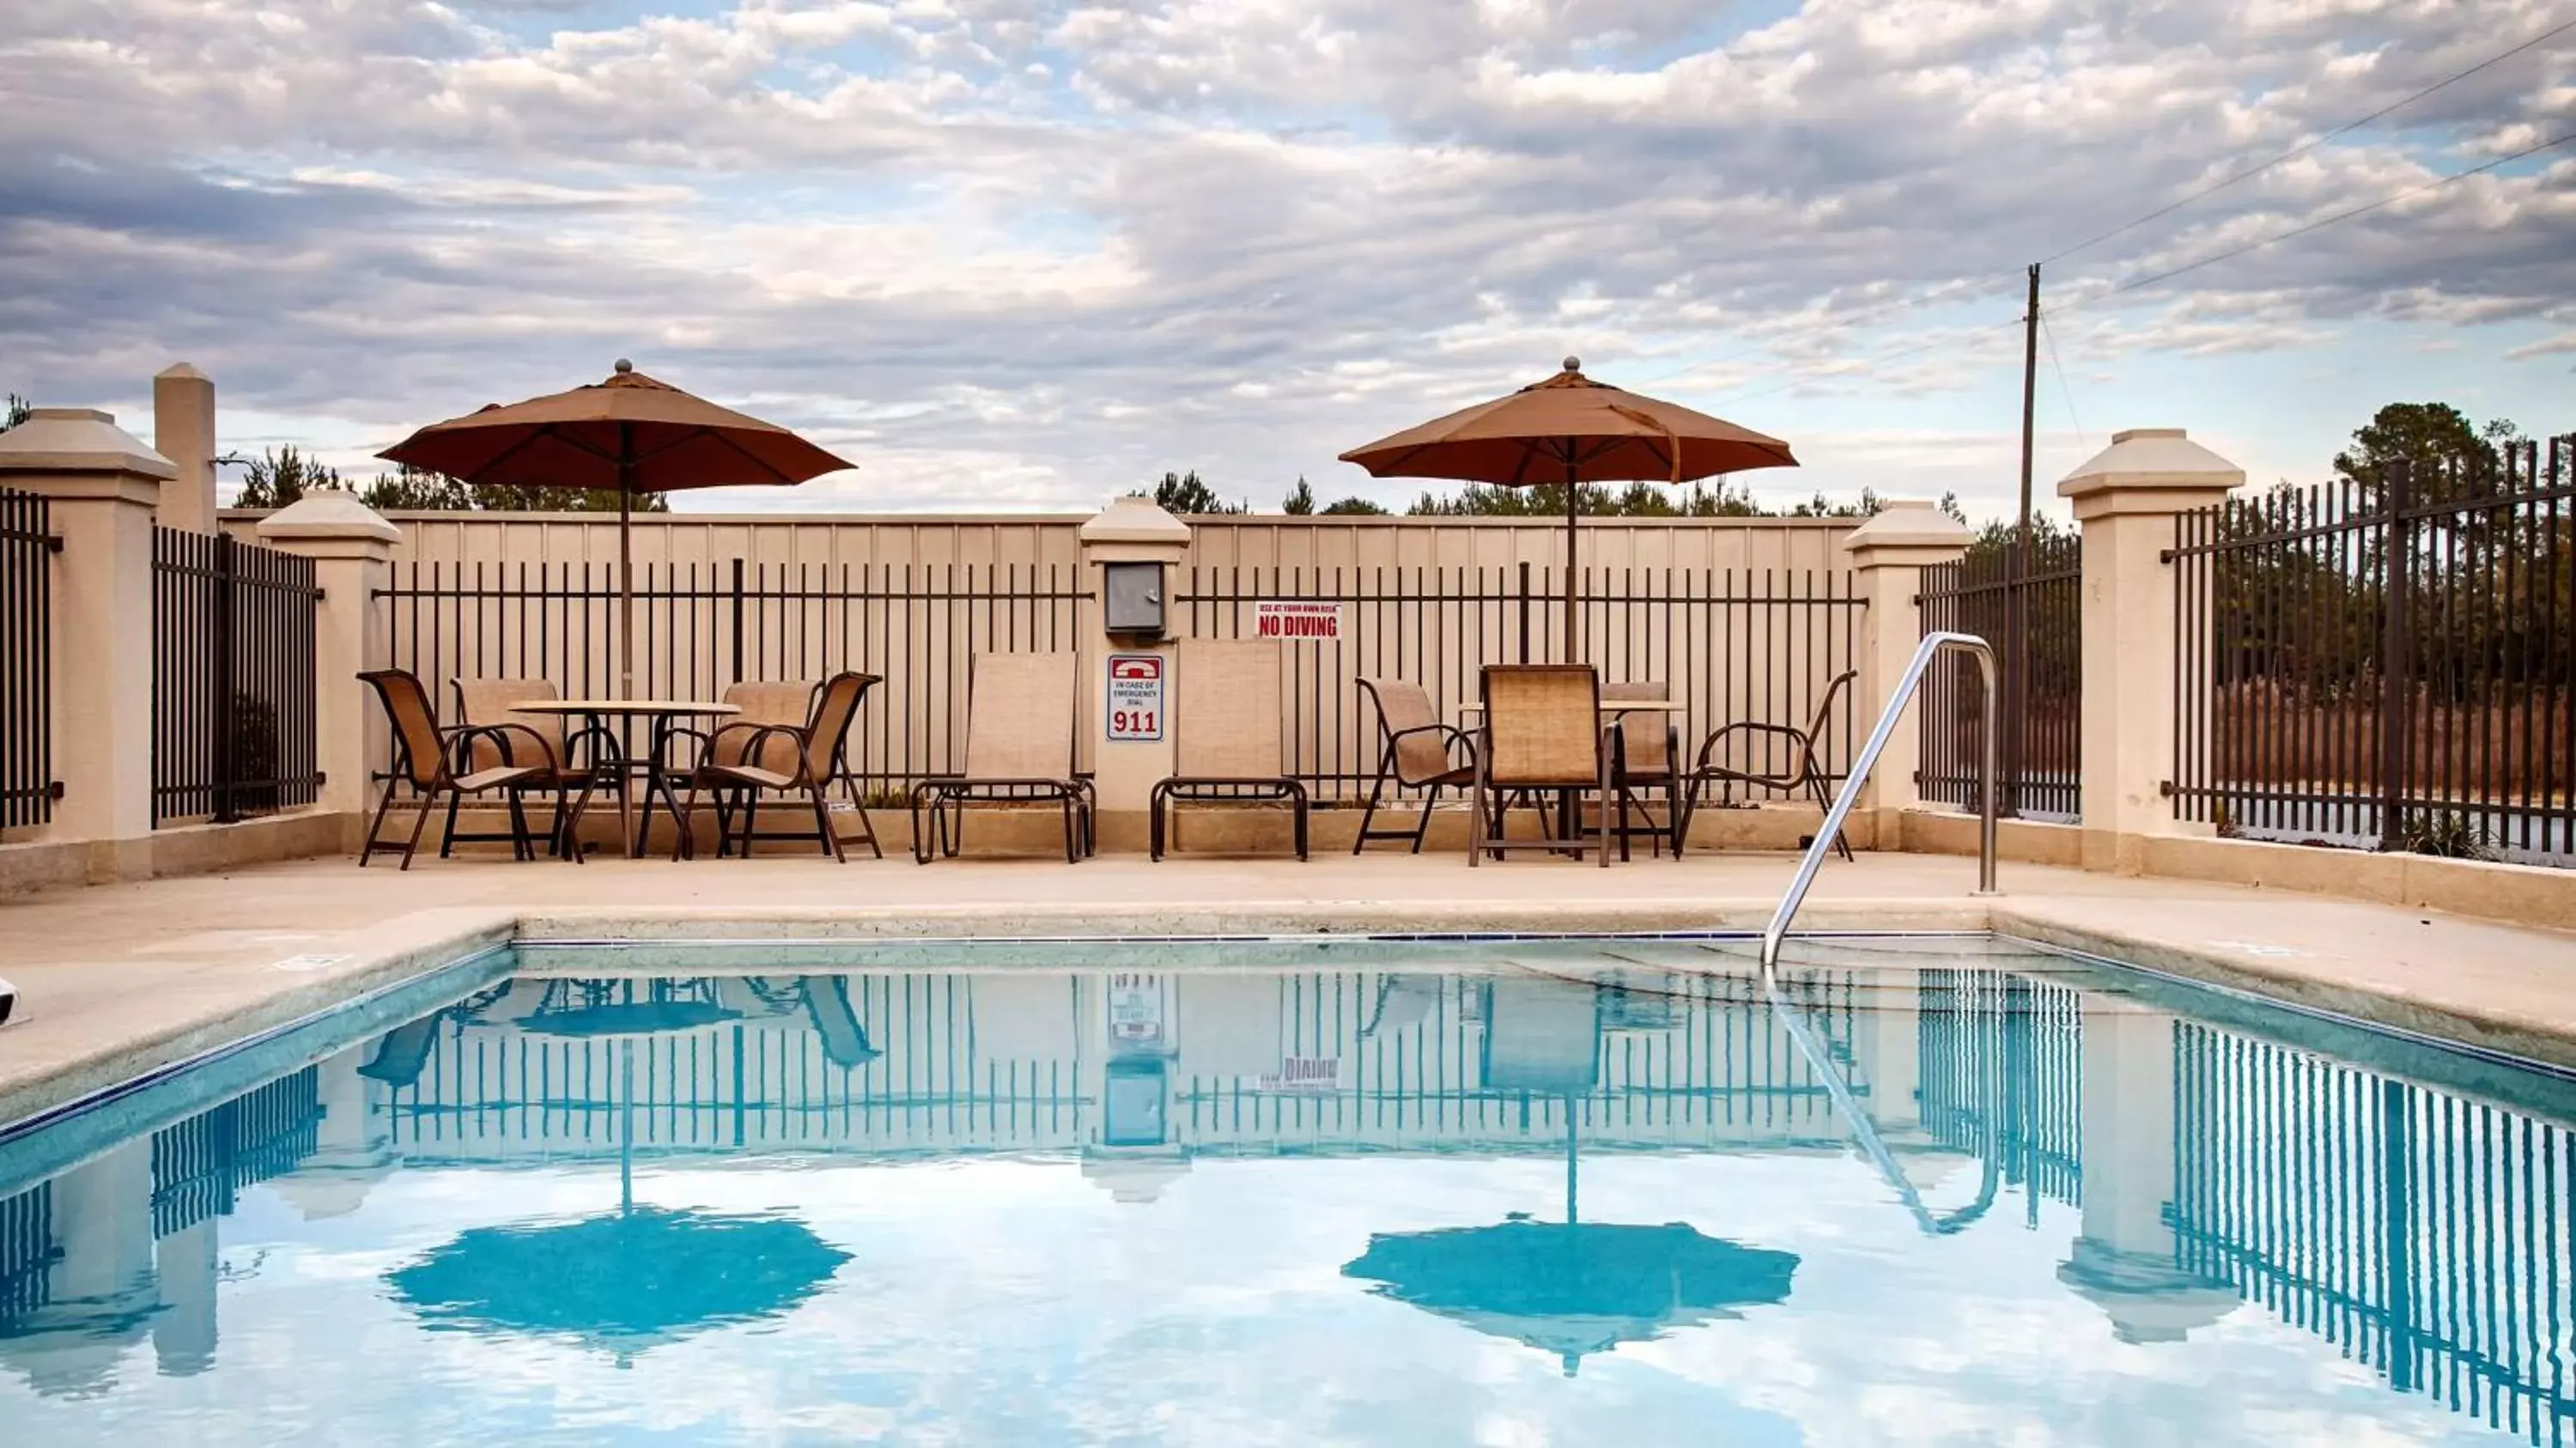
26 1250
200 1163
991 1062
2003 1076
2424 1233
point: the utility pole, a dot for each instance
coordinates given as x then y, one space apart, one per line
2017 564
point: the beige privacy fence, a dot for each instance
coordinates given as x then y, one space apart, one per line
1744 619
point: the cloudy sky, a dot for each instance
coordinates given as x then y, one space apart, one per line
1026 254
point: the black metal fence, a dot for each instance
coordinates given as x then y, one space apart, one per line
1728 644
2032 612
2002 1062
232 678
701 627
27 542
2388 662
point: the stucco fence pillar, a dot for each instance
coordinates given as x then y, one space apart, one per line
1888 556
101 486
1126 769
352 550
2126 498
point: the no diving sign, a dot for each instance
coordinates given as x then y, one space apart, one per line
1290 618
1135 711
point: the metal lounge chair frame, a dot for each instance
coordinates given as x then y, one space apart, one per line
1405 751
1227 750
1012 704
1541 721
747 756
426 757
492 697
1805 773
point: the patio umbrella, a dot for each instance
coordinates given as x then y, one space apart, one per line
629 434
1571 430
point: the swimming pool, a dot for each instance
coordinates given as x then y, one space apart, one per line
1931 1190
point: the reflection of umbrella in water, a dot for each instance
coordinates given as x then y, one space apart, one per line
624 1282
1569 1287
1573 1288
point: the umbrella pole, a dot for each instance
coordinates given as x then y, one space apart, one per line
625 562
1569 1161
1573 501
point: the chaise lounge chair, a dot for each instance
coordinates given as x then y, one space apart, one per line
1227 750
1020 722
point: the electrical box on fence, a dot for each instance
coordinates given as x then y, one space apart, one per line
1131 600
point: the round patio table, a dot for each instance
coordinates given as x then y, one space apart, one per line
663 714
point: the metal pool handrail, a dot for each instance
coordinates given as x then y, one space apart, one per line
1924 653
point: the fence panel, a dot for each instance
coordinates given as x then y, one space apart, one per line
2033 616
27 544
2386 664
232 679
1729 644
700 627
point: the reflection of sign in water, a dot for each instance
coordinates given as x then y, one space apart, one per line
1276 618
1136 1010
1135 696
1304 1073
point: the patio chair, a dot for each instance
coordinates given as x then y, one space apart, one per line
1802 747
426 758
1021 717
758 703
1227 750
1414 751
485 704
1646 757
805 757
1542 732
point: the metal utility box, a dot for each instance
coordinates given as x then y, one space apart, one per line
1131 599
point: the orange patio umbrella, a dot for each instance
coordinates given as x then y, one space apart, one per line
1566 431
627 435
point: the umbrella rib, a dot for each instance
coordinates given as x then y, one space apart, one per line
747 456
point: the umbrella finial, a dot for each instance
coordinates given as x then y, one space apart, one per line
625 366
1573 364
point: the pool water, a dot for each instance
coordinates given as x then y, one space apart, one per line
1509 1192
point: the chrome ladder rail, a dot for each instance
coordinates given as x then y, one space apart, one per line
1931 648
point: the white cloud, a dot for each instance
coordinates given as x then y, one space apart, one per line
1242 235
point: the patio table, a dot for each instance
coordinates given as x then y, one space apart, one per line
663 714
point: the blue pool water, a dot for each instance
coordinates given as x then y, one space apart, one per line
1572 1192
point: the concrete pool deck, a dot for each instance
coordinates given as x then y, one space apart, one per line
118 979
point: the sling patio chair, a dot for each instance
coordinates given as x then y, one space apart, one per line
1227 750
485 704
744 758
428 758
757 704
1021 718
1803 771
1542 731
1414 751
1646 753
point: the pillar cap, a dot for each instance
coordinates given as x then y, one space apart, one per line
78 440
179 372
1909 524
2151 457
327 513
1135 520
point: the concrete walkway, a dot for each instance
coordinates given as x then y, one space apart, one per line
116 979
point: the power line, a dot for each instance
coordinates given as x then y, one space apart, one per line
2296 152
2050 336
2320 224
